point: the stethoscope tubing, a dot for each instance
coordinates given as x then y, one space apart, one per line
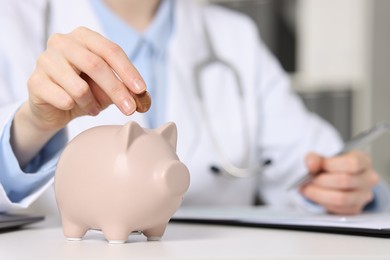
227 165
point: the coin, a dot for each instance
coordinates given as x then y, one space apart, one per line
143 101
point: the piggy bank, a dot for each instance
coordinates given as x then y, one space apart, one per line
120 180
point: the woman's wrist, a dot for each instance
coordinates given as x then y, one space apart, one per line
28 136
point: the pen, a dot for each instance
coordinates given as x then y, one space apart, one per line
359 140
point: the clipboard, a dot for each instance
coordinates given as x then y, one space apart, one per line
366 224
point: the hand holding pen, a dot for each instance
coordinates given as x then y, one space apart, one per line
342 184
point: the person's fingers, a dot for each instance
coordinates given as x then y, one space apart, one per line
314 162
352 210
56 67
101 97
347 181
143 101
333 199
53 94
114 56
352 162
99 71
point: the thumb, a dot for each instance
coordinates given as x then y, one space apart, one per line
314 162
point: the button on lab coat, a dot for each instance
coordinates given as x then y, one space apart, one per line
279 127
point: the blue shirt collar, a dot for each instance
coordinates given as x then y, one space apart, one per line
157 34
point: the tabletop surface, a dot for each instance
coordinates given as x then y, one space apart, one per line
197 241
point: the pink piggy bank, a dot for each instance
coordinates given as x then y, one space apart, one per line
120 179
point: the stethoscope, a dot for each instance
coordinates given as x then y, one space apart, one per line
248 170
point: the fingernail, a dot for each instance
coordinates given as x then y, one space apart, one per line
139 85
128 106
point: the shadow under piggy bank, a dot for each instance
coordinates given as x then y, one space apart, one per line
120 180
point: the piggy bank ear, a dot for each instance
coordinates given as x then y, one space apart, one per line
169 132
130 132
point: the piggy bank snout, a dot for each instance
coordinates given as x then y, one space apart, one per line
176 178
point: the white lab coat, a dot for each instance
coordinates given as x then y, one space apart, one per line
280 128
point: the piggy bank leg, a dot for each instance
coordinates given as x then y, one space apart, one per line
155 233
116 234
72 231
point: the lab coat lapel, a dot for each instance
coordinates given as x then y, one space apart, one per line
184 52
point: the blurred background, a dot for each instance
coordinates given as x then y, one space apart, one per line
337 54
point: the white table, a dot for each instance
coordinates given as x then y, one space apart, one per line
182 241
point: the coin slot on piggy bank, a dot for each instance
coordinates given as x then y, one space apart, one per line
120 180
